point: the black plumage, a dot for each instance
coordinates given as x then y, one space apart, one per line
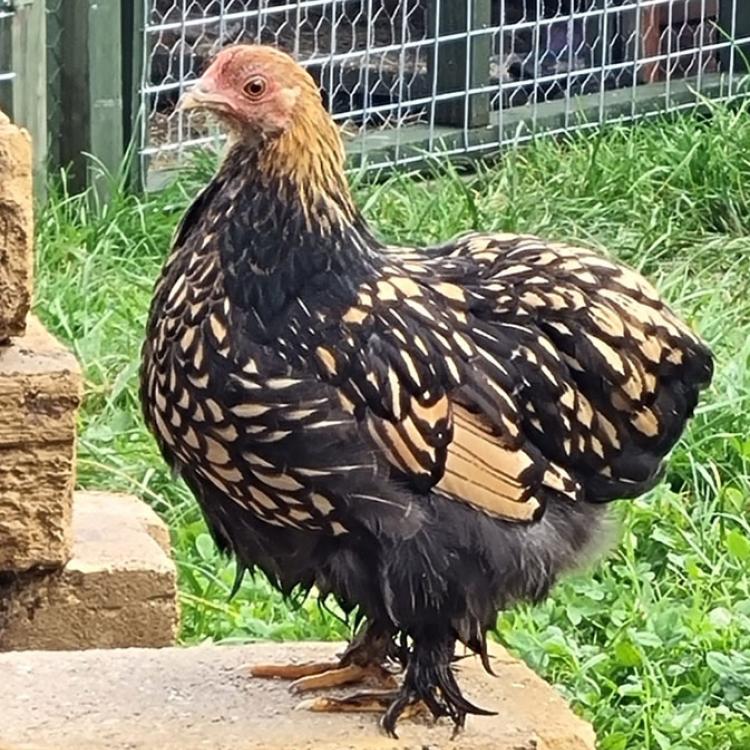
427 435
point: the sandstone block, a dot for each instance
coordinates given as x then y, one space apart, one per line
36 491
127 510
117 590
16 228
40 390
201 697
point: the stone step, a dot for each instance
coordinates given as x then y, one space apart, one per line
117 590
200 698
40 391
16 228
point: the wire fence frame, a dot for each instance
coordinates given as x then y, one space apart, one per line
406 78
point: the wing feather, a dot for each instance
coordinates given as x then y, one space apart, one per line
509 371
482 471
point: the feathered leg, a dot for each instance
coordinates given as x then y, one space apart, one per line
366 659
430 680
429 686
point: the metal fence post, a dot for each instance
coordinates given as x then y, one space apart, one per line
24 47
133 20
456 62
91 86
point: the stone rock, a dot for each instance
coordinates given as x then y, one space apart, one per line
40 391
129 510
200 697
16 229
36 496
117 590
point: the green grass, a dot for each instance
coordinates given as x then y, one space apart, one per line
654 645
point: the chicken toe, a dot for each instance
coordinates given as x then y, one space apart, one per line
371 674
291 671
365 702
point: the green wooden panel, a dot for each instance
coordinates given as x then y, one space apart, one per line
449 60
91 88
75 125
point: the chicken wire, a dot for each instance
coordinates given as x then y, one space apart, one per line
405 77
54 76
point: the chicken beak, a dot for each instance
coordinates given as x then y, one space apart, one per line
202 97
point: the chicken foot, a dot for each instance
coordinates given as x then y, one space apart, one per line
364 660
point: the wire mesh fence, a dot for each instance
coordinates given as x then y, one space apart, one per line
54 75
403 78
408 76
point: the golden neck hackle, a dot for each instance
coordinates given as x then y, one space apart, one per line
310 156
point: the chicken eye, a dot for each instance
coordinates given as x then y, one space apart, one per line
255 88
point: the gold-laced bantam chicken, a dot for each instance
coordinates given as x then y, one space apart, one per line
428 435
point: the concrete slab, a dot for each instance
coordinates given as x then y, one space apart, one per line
118 589
201 699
